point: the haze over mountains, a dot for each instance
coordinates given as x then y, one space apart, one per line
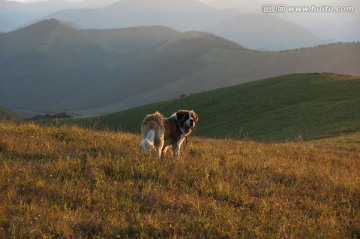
329 25
61 68
181 15
264 32
276 32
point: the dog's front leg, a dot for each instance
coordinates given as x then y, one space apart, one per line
176 150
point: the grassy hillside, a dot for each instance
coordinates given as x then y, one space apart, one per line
280 108
69 182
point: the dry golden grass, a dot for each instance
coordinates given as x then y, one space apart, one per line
69 182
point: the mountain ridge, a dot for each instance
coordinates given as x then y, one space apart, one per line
194 15
14 15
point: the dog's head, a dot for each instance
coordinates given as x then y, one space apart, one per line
187 120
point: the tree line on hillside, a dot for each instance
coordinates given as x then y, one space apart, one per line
317 46
62 115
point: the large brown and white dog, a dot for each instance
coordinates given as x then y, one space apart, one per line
160 132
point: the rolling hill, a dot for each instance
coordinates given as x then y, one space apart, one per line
92 72
275 109
49 64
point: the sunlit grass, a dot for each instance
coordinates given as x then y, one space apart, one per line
68 182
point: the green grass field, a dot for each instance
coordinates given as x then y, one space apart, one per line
283 108
69 182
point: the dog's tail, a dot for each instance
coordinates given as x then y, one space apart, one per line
148 141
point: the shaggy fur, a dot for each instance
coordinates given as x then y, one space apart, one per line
152 130
160 133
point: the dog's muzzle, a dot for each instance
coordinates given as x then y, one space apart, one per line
190 127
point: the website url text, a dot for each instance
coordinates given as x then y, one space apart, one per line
283 8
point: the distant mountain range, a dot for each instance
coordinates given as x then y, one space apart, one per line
227 18
329 25
15 14
253 31
178 14
52 67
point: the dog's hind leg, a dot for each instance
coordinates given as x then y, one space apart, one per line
163 151
148 141
159 144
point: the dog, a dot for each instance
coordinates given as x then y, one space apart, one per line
161 133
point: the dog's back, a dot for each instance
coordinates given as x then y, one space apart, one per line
152 130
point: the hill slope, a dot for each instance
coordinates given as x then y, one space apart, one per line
59 67
281 108
132 39
92 72
73 183
256 31
7 115
49 63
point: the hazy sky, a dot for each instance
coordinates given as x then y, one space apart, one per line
246 3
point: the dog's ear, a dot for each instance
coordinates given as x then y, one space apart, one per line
181 114
195 116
